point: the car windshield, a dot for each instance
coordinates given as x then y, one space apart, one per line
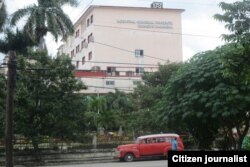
137 141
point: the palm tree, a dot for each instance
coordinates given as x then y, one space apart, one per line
119 102
18 41
46 16
3 15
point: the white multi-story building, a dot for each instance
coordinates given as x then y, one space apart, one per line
112 46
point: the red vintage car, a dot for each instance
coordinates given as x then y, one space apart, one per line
148 146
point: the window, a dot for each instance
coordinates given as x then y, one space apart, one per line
168 139
91 19
83 44
138 53
72 53
160 140
90 55
90 38
139 70
77 33
87 22
111 71
77 64
136 82
96 68
83 59
129 73
110 82
77 49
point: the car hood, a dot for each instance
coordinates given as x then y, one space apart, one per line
127 146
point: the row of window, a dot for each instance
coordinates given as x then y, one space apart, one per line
89 21
112 71
84 59
112 83
128 73
89 58
83 45
156 140
138 52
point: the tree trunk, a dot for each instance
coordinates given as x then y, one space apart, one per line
42 45
9 109
232 140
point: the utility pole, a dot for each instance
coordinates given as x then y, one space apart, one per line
9 108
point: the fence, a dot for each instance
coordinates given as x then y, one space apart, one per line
105 141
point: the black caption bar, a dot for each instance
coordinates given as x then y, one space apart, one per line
209 158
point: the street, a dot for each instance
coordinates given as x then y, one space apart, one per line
158 163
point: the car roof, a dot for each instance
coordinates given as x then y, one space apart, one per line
159 135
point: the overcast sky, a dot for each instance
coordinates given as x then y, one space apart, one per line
200 31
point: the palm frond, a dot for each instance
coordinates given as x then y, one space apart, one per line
67 2
64 21
52 25
47 16
3 16
19 14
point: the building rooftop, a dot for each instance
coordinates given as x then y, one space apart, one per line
92 7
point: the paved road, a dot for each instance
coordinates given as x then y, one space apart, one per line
158 163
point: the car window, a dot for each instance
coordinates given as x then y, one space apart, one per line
168 139
161 140
143 141
149 140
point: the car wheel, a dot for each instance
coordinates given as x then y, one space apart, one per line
129 157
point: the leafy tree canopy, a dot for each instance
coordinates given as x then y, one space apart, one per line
199 94
18 41
3 15
147 95
45 16
236 17
46 102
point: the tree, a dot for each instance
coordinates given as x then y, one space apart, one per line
46 16
204 100
236 17
95 106
236 61
18 41
119 103
46 103
147 95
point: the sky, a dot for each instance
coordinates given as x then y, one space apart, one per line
200 31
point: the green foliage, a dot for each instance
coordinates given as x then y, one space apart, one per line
235 58
200 97
45 17
108 111
236 17
18 41
147 95
3 16
45 103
